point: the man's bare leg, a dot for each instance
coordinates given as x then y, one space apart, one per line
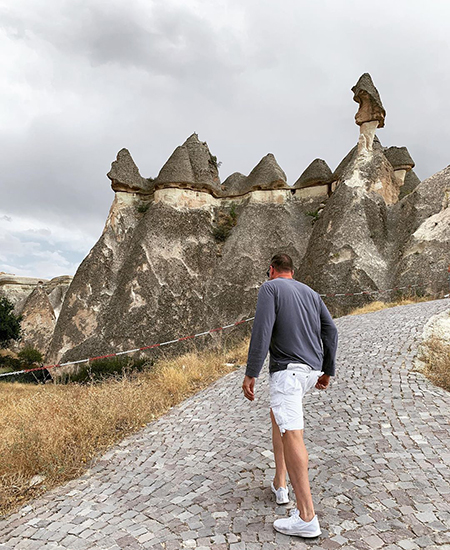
280 465
296 457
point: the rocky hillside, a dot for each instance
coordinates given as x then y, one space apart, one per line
183 252
39 302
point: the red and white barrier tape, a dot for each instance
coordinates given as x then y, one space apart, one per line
127 351
364 292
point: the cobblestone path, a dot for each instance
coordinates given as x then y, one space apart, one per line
199 477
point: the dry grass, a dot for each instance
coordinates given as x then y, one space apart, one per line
55 431
435 354
377 306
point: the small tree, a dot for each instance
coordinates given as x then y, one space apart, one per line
29 356
9 323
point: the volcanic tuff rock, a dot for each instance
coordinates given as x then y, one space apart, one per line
17 289
423 234
370 106
399 157
409 184
190 166
38 320
348 249
266 175
193 258
317 173
125 176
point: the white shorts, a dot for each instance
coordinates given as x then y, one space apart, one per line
287 388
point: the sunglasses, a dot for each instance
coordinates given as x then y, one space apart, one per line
268 271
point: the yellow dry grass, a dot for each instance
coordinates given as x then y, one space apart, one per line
55 431
436 356
377 306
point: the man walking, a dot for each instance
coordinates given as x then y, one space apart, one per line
292 322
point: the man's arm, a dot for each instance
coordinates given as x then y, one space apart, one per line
329 336
260 340
262 331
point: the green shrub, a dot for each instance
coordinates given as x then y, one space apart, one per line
101 369
225 224
142 208
9 323
314 214
30 357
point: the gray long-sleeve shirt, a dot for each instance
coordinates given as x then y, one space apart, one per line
292 322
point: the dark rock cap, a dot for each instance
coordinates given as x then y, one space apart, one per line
267 174
399 157
370 106
317 173
191 166
235 185
125 176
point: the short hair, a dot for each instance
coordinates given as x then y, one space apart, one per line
282 263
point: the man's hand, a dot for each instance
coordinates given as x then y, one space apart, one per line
323 382
248 386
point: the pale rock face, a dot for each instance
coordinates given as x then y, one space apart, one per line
427 254
17 289
347 251
313 192
400 175
419 224
184 198
96 279
367 135
38 320
370 171
438 327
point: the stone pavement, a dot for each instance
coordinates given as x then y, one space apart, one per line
199 477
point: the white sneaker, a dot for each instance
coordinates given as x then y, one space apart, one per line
282 494
294 525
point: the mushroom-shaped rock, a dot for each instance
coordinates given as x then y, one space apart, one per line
400 158
317 173
125 176
191 166
267 174
370 106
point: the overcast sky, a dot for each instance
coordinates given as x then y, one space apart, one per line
81 79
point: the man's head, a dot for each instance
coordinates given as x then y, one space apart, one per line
281 265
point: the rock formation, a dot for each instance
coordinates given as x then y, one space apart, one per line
125 176
371 113
190 166
317 173
267 175
17 289
38 320
422 229
185 253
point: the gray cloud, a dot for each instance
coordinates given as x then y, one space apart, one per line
84 79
